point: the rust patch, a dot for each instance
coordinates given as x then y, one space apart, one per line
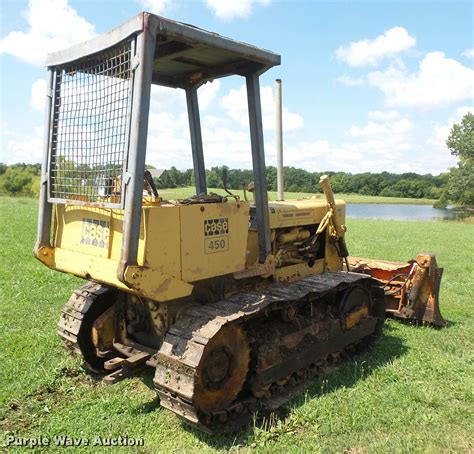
411 288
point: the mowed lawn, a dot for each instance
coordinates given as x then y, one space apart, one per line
412 393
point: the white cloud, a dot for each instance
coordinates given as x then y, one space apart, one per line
38 94
389 130
155 6
212 120
226 145
355 157
230 9
383 143
168 129
224 134
391 142
52 25
207 94
371 52
168 139
349 81
319 155
469 53
383 115
235 104
167 98
19 148
225 126
174 99
439 81
387 141
461 111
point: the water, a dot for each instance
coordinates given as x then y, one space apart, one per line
402 212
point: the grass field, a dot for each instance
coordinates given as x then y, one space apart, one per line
412 393
179 193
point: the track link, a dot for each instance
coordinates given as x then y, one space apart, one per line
76 319
178 360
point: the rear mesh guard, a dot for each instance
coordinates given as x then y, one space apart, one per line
90 125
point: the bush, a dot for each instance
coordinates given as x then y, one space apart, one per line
20 180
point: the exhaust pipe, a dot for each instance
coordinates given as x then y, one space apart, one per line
279 140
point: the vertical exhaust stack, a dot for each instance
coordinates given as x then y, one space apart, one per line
279 140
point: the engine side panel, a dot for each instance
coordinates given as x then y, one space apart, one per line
213 239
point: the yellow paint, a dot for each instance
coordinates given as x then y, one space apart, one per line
213 239
103 329
293 213
293 272
179 244
354 317
154 284
289 213
163 239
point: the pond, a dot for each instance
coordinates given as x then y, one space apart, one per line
402 212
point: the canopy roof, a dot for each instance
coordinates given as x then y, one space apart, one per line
184 54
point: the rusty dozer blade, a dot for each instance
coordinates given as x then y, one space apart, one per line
411 288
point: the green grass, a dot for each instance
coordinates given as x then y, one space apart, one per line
179 193
412 393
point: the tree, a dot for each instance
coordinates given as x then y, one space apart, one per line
460 186
18 180
213 178
461 138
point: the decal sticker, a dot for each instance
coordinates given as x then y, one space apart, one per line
95 232
213 245
216 227
283 215
216 235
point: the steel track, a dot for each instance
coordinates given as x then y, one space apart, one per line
184 346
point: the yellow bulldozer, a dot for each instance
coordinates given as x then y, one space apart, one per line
237 304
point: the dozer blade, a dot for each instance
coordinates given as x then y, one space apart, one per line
411 288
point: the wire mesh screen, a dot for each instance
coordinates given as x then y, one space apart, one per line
90 128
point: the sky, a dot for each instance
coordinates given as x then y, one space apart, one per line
368 86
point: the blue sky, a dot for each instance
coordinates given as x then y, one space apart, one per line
367 86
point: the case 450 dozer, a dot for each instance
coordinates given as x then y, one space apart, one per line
237 304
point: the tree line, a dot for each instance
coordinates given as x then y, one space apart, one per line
23 180
386 184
